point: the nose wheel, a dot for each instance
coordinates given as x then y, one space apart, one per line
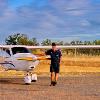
29 78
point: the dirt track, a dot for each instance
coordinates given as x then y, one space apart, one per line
84 87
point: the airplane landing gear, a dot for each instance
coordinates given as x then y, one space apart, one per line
30 78
27 79
33 77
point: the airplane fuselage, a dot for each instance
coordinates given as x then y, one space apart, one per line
12 62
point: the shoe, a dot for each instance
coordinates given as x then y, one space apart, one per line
55 82
52 83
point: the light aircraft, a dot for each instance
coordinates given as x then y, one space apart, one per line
19 58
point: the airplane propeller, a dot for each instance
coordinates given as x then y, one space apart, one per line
33 59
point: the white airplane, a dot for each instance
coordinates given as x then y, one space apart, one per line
19 58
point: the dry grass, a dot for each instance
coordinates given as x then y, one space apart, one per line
68 65
73 64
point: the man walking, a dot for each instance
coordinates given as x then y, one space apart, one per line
55 55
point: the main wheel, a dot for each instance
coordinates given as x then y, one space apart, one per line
33 78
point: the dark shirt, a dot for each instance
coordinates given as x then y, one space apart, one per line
55 56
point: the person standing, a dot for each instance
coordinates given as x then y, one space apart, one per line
55 55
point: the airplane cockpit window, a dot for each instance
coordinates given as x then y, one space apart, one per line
8 51
19 50
5 53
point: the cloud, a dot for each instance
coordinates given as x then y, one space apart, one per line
3 7
85 23
50 19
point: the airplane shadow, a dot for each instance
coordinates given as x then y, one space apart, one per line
19 81
11 81
4 81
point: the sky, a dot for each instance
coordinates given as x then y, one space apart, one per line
65 20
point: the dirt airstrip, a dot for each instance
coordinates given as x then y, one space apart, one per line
79 80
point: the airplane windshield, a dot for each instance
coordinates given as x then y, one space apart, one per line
5 53
20 50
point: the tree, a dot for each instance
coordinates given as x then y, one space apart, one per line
96 42
59 43
23 40
72 42
13 39
87 43
46 42
20 39
33 42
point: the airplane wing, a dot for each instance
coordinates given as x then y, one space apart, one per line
4 46
48 47
64 47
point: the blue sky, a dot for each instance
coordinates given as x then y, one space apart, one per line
18 3
65 20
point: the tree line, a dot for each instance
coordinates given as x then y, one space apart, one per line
22 39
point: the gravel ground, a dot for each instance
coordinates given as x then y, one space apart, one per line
83 87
